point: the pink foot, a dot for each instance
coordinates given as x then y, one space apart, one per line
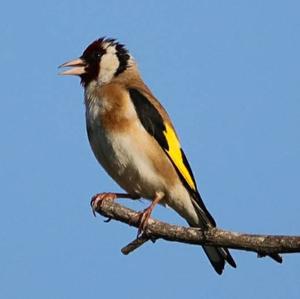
144 217
98 198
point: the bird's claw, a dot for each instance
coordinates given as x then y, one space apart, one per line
144 217
98 198
93 205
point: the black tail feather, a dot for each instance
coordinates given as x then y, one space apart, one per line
275 256
217 257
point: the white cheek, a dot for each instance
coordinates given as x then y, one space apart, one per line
108 66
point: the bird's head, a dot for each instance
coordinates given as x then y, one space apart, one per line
101 61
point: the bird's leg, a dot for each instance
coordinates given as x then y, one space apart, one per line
145 215
98 198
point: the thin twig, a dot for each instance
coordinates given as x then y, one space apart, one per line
262 244
139 241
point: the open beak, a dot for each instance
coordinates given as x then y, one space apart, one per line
77 67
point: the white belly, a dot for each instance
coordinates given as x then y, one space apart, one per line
121 156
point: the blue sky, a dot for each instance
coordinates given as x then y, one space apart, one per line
228 74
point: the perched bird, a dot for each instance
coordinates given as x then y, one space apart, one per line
134 140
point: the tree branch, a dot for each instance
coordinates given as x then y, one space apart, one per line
261 244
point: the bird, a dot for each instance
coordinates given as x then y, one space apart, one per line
134 139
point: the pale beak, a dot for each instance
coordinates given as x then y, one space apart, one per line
77 67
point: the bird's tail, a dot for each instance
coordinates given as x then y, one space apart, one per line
217 257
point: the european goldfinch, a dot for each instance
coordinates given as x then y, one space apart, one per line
134 140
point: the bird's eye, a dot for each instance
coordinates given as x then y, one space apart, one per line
96 55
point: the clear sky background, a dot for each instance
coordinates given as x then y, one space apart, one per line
228 72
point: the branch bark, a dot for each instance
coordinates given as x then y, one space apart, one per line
261 244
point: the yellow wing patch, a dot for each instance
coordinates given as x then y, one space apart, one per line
175 154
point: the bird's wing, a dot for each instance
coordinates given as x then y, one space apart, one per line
163 132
